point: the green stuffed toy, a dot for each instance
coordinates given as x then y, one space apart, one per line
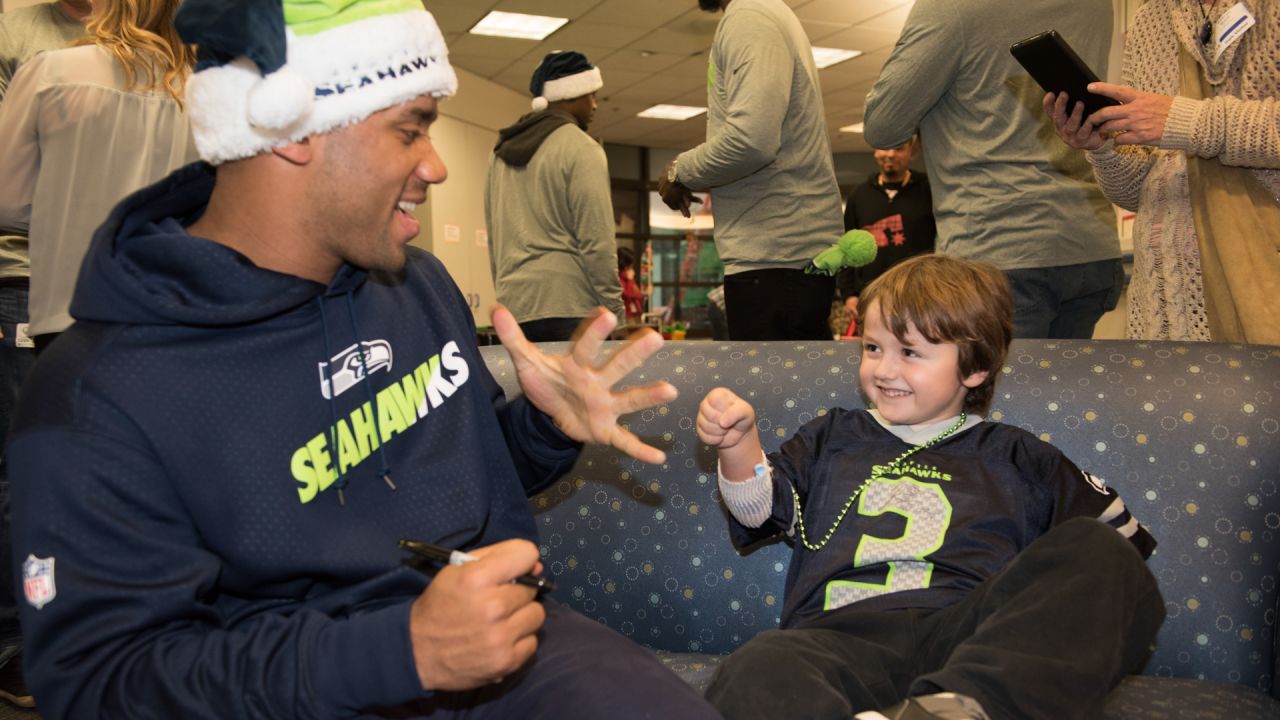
855 249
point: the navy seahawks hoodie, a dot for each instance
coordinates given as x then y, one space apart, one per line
176 463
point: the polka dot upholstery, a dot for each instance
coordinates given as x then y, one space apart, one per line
1188 433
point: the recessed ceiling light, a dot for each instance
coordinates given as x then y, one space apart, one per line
826 57
517 25
671 112
854 128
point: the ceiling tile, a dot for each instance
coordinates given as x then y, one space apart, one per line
634 60
493 47
457 18
891 21
848 12
862 38
851 99
838 77
554 8
481 65
819 31
514 78
694 98
658 89
696 22
617 80
579 32
691 71
646 14
674 42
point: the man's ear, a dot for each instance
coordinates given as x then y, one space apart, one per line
298 152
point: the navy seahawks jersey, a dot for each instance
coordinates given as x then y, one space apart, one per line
925 534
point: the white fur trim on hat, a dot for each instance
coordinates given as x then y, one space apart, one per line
352 71
280 99
572 86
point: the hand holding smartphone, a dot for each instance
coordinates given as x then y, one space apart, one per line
1055 66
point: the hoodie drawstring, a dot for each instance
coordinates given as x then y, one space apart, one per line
385 471
333 405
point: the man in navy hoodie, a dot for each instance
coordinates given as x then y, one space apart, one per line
265 390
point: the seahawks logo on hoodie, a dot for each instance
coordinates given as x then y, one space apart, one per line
347 368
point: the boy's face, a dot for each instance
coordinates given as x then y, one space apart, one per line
911 382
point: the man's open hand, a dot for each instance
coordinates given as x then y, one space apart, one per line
577 391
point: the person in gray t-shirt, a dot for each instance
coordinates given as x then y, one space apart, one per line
767 162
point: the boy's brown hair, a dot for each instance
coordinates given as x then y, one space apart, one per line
949 300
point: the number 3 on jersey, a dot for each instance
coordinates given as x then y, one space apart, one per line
928 516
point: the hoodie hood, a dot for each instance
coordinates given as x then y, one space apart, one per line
518 143
143 268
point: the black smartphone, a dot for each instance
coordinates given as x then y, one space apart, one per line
1053 64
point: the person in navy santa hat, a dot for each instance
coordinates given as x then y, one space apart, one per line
548 207
210 526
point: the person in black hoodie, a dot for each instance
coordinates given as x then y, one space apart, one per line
547 204
265 390
896 206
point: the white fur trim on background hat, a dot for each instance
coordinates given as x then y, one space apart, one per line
332 78
568 88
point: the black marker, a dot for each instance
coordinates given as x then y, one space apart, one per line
457 557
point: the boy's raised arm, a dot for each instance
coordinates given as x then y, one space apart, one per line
728 423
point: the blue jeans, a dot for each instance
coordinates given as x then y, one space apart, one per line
1064 301
14 364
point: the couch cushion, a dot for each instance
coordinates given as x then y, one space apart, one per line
1188 433
1143 697
1139 697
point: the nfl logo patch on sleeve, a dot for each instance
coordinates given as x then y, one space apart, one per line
37 581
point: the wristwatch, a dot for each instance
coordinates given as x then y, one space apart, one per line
671 173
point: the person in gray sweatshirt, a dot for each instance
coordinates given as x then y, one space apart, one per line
548 207
767 162
1003 191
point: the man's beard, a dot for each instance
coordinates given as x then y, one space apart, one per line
709 5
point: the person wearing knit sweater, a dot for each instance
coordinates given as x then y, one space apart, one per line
1140 149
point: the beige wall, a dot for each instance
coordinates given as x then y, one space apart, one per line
453 216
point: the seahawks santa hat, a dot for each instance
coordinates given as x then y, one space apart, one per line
563 75
271 72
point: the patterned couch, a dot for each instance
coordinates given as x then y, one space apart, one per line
1188 433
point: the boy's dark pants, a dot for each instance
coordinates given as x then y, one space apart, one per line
1048 637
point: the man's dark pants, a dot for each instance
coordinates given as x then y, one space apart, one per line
582 670
778 304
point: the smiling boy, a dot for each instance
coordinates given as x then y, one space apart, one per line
942 563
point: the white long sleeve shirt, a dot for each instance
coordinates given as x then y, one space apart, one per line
73 143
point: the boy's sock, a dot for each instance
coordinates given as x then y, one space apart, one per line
941 706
